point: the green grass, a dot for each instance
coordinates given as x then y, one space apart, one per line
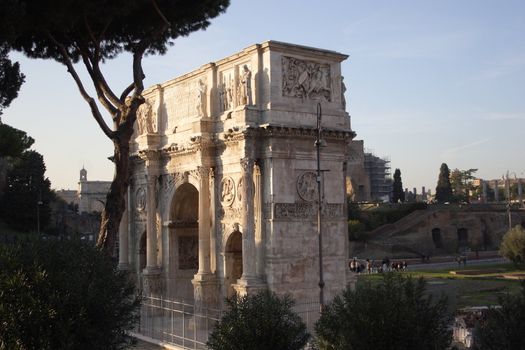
480 289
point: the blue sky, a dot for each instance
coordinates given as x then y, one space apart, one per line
428 82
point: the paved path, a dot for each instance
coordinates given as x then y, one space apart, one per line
453 264
142 345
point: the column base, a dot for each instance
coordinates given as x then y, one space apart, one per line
249 285
152 284
123 266
205 289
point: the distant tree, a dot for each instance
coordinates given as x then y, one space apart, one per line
461 184
443 188
26 189
513 245
504 326
259 322
398 195
93 32
61 295
13 141
10 78
396 313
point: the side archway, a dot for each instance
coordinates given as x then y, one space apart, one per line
232 261
184 240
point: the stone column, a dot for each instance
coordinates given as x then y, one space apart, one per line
248 227
204 222
213 240
484 191
123 257
496 191
204 282
151 274
248 282
151 226
259 239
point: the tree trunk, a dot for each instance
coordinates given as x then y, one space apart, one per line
115 199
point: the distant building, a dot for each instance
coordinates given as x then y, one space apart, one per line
508 189
90 196
378 171
357 180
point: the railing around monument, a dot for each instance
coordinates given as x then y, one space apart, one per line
187 326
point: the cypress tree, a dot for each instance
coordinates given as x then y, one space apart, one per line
398 194
443 188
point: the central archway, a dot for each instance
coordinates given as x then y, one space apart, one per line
233 261
184 241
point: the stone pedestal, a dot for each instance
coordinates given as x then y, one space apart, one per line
152 284
205 290
247 286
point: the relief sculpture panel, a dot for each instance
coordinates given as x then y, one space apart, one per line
306 79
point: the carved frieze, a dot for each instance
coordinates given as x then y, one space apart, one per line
306 79
307 186
227 194
306 210
230 213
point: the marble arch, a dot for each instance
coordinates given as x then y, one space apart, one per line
229 145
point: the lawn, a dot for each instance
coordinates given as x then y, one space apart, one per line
466 286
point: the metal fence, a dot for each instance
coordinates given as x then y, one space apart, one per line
188 326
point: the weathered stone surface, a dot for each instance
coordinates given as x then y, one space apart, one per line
249 120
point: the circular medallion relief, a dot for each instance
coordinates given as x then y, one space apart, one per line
307 186
141 199
227 191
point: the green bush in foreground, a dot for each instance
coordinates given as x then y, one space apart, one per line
259 322
504 327
395 314
58 295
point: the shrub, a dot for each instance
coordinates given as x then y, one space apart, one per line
513 245
503 327
394 314
63 295
259 322
356 231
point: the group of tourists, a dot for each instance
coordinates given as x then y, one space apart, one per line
371 266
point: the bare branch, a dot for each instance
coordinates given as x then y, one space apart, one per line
90 100
97 76
96 83
126 92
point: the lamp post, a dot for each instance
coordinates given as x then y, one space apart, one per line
319 207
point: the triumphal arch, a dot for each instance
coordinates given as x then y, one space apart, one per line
223 195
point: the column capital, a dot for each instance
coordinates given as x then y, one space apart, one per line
247 164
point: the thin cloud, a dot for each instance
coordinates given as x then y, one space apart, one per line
452 151
498 116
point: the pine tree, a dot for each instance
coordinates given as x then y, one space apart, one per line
444 188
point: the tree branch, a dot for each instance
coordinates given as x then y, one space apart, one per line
88 63
90 100
161 15
126 92
98 77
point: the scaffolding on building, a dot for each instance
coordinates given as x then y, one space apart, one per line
378 171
